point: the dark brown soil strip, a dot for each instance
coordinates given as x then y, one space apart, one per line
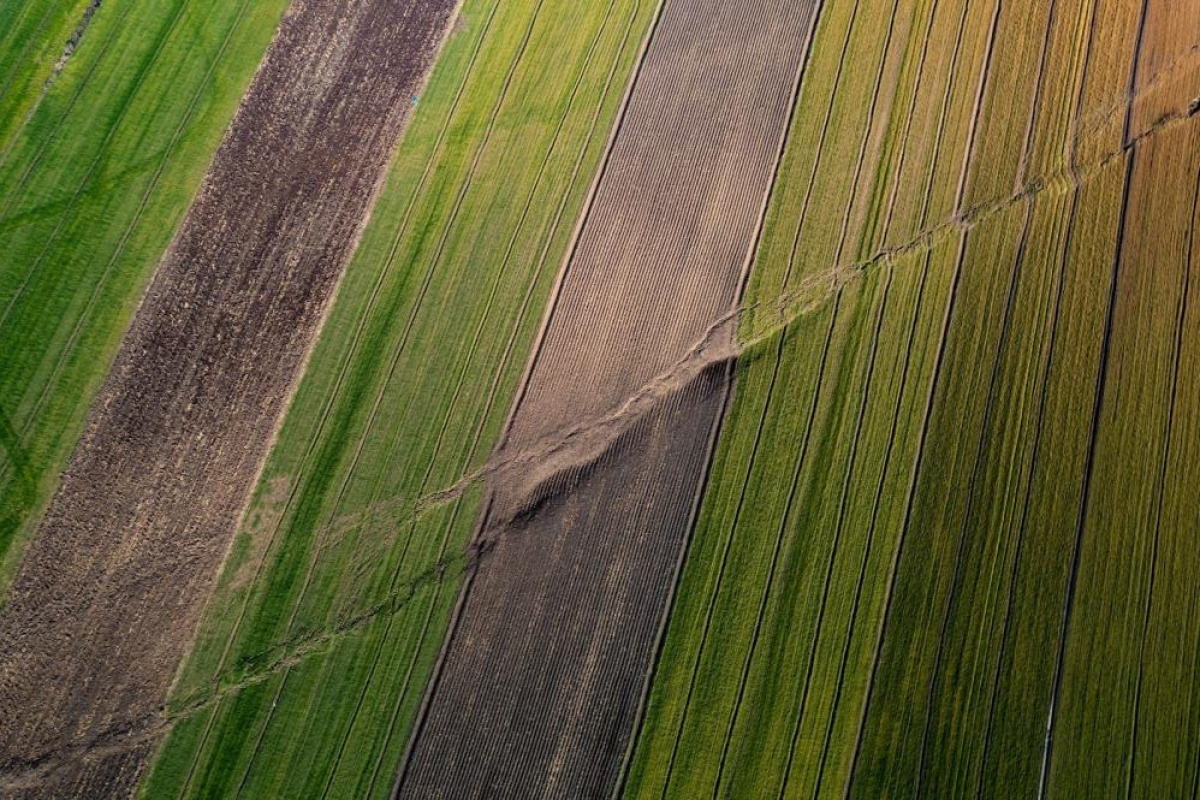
108 597
540 682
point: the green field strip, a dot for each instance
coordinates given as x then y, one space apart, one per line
902 76
959 694
342 559
993 298
327 559
929 112
792 196
34 37
1016 734
1110 79
963 697
893 732
822 231
79 253
874 512
784 666
1096 720
1068 53
921 591
877 738
1168 727
746 735
1012 100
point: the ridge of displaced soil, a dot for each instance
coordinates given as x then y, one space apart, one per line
108 596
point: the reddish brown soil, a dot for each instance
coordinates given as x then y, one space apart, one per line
554 637
109 594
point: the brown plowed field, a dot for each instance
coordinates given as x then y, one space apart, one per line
108 596
555 633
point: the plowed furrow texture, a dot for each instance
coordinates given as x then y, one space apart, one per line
556 628
111 588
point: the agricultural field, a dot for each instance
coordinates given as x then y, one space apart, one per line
932 554
579 540
639 398
77 253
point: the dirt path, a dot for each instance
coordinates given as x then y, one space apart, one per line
109 593
541 679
